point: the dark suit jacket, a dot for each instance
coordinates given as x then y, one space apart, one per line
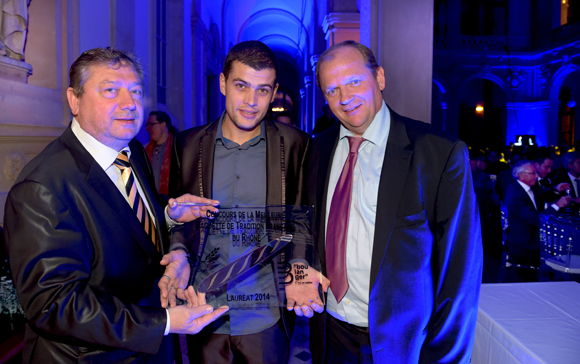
192 171
427 254
523 238
84 269
564 178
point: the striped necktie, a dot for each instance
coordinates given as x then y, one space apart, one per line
122 162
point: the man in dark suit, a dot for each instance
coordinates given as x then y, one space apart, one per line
85 231
571 162
413 254
241 158
524 205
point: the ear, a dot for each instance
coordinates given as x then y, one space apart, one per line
274 93
223 84
73 101
381 77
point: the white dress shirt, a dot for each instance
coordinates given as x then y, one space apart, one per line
354 306
529 192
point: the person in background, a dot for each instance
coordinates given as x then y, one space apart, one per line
524 207
161 134
571 162
284 117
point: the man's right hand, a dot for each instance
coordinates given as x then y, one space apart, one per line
175 278
563 201
190 320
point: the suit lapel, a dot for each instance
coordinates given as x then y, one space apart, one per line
102 185
393 175
206 155
274 183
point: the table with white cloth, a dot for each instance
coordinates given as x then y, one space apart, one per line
528 323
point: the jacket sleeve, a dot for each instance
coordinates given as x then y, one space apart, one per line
52 258
457 271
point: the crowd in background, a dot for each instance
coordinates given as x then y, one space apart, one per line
524 182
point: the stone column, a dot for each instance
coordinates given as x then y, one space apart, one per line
405 51
339 27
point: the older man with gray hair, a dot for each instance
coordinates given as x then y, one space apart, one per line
524 208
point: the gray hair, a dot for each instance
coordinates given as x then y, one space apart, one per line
520 166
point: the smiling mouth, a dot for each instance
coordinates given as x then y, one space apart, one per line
248 112
351 109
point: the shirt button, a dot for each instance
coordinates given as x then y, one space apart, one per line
348 302
238 177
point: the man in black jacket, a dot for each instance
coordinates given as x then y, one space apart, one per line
85 231
241 158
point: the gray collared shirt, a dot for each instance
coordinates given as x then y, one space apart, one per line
239 178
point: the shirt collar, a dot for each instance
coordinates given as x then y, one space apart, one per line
378 131
103 155
219 136
525 186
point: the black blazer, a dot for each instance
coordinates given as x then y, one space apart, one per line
192 172
523 238
427 254
85 270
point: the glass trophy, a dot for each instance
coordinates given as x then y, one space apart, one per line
249 257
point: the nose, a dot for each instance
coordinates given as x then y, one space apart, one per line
251 98
346 96
126 101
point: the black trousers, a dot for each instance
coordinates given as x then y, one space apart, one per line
269 346
346 343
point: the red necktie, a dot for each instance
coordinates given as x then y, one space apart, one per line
338 217
122 162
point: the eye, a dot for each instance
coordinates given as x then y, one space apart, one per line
355 82
110 92
138 93
331 92
264 91
240 86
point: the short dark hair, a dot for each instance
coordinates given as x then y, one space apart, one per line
252 53
569 158
367 54
542 158
79 71
163 117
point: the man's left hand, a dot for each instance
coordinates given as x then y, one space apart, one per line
186 213
304 298
175 279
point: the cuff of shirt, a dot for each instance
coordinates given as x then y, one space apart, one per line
168 325
170 222
555 207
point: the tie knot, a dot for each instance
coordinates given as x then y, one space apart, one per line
122 160
355 143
